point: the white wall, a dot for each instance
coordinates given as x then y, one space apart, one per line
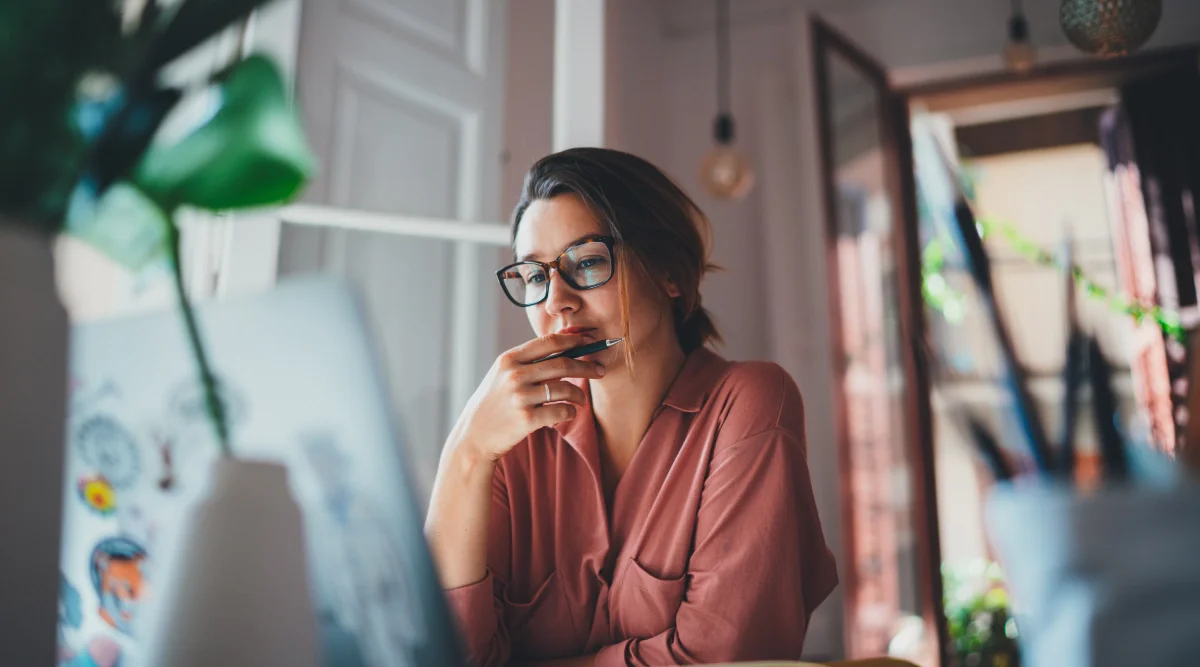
663 108
528 116
636 75
661 105
736 295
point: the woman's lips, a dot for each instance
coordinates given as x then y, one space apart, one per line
576 330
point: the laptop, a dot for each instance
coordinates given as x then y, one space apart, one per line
299 377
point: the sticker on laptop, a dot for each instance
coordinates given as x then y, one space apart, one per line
118 567
98 494
109 448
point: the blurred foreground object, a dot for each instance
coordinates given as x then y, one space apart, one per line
248 516
1103 580
85 95
33 402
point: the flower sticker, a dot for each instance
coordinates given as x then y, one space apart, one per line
98 494
106 446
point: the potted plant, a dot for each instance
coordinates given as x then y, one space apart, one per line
983 632
84 98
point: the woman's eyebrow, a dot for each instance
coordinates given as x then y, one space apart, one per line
577 241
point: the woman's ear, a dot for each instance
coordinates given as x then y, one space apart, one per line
671 288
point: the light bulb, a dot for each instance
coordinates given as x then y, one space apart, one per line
726 174
1020 57
1019 54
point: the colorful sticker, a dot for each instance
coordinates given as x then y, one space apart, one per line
70 616
189 404
109 448
101 651
166 447
98 494
118 566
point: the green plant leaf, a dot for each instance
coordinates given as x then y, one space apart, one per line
252 152
123 224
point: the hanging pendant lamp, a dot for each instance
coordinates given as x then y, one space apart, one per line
1109 28
1019 54
724 172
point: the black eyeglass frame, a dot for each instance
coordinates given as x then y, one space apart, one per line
608 241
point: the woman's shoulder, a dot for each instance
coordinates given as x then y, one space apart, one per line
758 397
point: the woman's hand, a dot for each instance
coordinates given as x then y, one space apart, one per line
519 395
509 404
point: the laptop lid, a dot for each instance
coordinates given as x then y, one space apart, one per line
299 378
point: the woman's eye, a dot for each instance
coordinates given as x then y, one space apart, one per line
591 262
535 278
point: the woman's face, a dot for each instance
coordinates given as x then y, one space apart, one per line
550 226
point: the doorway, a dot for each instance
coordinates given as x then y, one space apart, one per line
1039 163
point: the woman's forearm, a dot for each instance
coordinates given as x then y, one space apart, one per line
459 509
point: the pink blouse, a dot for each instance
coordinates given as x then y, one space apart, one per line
712 550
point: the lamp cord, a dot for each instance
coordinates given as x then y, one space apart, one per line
723 101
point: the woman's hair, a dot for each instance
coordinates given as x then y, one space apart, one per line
660 233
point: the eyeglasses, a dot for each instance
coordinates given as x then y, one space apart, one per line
585 265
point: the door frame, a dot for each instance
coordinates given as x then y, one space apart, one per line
917 416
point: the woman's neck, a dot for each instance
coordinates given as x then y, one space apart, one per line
624 405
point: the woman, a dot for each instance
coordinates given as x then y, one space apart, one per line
649 504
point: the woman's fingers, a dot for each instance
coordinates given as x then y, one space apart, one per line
537 348
557 369
549 415
553 392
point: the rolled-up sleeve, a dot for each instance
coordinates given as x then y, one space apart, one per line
477 607
759 567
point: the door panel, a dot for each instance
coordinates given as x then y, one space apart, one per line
403 100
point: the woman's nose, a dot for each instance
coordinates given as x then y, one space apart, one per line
560 297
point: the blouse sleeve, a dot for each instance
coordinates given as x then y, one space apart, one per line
760 565
477 606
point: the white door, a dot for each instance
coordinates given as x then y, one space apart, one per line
402 101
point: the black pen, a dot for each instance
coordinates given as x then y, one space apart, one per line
1104 411
583 350
1074 366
